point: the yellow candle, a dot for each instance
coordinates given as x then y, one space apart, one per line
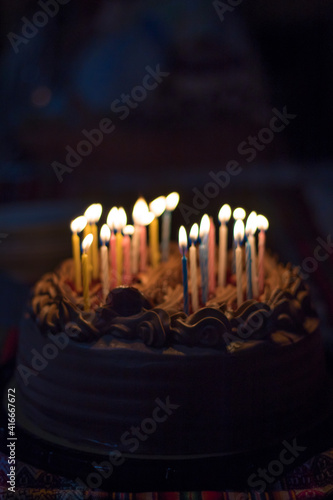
157 207
119 253
153 242
105 236
93 214
77 225
86 243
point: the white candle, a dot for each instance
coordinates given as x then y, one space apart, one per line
104 271
203 254
238 236
111 222
224 217
193 267
171 201
157 207
77 225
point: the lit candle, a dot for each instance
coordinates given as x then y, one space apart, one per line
128 231
93 214
77 225
139 240
203 255
211 258
157 207
120 223
262 224
111 222
238 237
86 243
104 258
193 267
248 259
183 246
252 227
224 217
171 202
238 214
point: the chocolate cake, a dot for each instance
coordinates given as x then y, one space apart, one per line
136 375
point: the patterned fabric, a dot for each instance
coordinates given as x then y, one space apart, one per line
312 480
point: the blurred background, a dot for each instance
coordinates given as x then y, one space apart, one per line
103 101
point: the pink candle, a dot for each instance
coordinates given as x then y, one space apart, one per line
262 223
143 248
113 260
211 258
128 230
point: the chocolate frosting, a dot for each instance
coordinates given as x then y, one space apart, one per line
130 315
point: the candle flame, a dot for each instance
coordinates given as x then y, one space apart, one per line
93 213
105 233
158 205
87 241
251 223
194 233
78 224
204 225
112 218
140 211
239 213
182 238
239 231
128 230
121 219
262 222
224 213
171 201
148 218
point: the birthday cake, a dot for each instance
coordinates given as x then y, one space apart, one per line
135 374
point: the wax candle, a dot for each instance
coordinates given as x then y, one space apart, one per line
120 223
157 207
252 225
111 222
141 217
193 267
262 224
248 262
171 203
203 255
183 246
77 225
86 243
127 231
93 214
238 237
211 257
238 214
224 217
105 235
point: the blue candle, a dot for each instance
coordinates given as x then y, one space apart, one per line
183 247
248 271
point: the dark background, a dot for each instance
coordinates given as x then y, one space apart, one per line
227 72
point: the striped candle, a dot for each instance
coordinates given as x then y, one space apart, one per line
183 246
